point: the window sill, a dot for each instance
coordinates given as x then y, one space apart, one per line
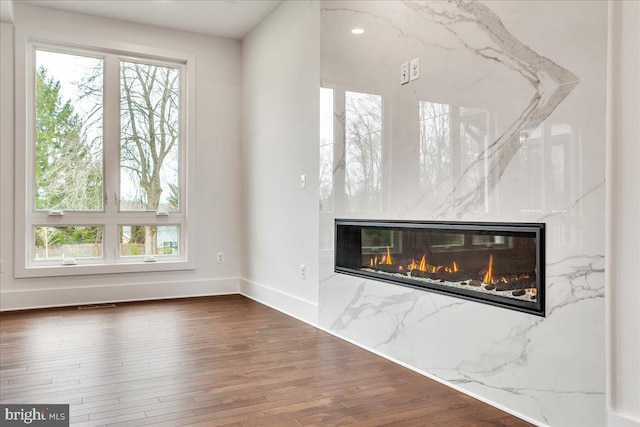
93 269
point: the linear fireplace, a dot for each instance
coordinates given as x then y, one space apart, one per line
496 263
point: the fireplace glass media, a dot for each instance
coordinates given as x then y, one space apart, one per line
496 263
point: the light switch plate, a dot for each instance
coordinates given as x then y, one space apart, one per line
404 73
414 69
303 182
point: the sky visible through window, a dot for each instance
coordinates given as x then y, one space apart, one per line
69 70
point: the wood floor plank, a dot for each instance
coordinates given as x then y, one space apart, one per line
214 361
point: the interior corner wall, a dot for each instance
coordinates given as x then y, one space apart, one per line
280 143
214 222
6 137
623 201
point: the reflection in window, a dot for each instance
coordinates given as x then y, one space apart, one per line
326 149
491 240
435 144
474 137
363 152
560 182
557 168
381 241
377 238
447 240
531 170
559 157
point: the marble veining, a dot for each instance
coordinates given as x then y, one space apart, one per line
551 83
574 205
577 278
540 158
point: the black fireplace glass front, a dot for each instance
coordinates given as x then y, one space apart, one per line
496 263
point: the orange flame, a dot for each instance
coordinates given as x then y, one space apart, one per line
423 263
452 269
389 262
488 276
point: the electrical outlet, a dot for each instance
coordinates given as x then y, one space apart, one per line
404 73
414 69
220 257
303 271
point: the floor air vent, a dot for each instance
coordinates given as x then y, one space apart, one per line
95 306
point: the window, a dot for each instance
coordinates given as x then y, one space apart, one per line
435 144
105 154
354 161
363 151
326 150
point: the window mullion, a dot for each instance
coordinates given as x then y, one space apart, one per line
111 154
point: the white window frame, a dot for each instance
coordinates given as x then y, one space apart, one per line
27 218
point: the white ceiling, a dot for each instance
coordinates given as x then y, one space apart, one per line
224 18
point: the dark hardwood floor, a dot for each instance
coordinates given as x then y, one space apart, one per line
214 361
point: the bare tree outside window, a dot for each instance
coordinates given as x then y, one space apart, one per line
149 144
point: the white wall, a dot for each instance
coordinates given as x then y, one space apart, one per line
6 147
281 65
623 237
214 222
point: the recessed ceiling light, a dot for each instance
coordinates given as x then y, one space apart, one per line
357 31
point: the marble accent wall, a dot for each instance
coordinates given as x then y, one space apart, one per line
505 123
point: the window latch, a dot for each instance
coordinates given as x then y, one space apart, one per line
149 258
162 213
69 261
55 213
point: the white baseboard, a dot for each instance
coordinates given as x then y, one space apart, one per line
290 305
60 297
616 420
